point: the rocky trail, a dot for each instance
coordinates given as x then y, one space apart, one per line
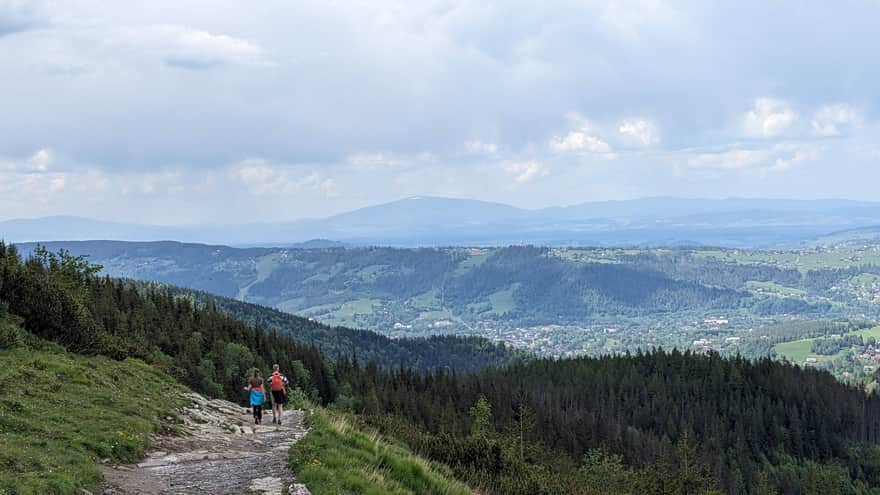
217 450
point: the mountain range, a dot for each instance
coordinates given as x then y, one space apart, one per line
436 221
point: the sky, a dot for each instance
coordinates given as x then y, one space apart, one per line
225 111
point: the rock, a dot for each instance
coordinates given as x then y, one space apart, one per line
298 489
83 491
268 486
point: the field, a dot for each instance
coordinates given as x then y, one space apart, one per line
803 260
774 288
799 350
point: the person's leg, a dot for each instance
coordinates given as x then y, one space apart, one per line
280 411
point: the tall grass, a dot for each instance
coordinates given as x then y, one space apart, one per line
337 457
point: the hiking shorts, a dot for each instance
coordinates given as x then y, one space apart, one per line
279 397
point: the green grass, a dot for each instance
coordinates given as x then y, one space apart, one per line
503 301
61 414
336 457
868 332
774 288
350 309
427 300
805 260
799 350
472 262
437 314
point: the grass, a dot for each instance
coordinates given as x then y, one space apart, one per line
351 309
471 262
503 301
805 260
426 300
337 458
774 288
798 351
61 414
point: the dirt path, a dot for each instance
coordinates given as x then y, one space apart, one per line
220 452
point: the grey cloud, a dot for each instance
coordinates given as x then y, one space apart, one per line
21 15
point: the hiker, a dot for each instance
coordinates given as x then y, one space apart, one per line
278 382
257 396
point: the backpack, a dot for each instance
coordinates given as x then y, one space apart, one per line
277 382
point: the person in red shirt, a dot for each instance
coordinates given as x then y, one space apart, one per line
278 384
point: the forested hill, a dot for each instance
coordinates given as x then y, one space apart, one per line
741 426
60 298
419 289
438 351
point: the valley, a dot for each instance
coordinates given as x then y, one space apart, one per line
560 302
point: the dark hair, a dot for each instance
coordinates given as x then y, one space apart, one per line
256 373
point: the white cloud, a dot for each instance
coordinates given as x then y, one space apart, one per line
776 158
579 142
374 161
480 147
768 118
527 171
832 120
189 48
30 179
790 155
261 177
642 130
37 162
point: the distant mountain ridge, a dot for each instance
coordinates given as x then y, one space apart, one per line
436 221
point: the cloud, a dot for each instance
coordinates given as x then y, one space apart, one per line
776 158
21 15
579 141
643 131
38 162
584 138
789 155
832 120
188 48
477 146
366 92
30 179
768 118
527 171
261 177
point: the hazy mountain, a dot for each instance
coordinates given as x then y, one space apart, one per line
445 221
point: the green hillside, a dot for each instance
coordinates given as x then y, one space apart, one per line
61 414
337 456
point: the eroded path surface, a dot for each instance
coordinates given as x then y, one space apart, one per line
221 451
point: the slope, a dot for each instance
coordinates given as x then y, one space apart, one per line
60 414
